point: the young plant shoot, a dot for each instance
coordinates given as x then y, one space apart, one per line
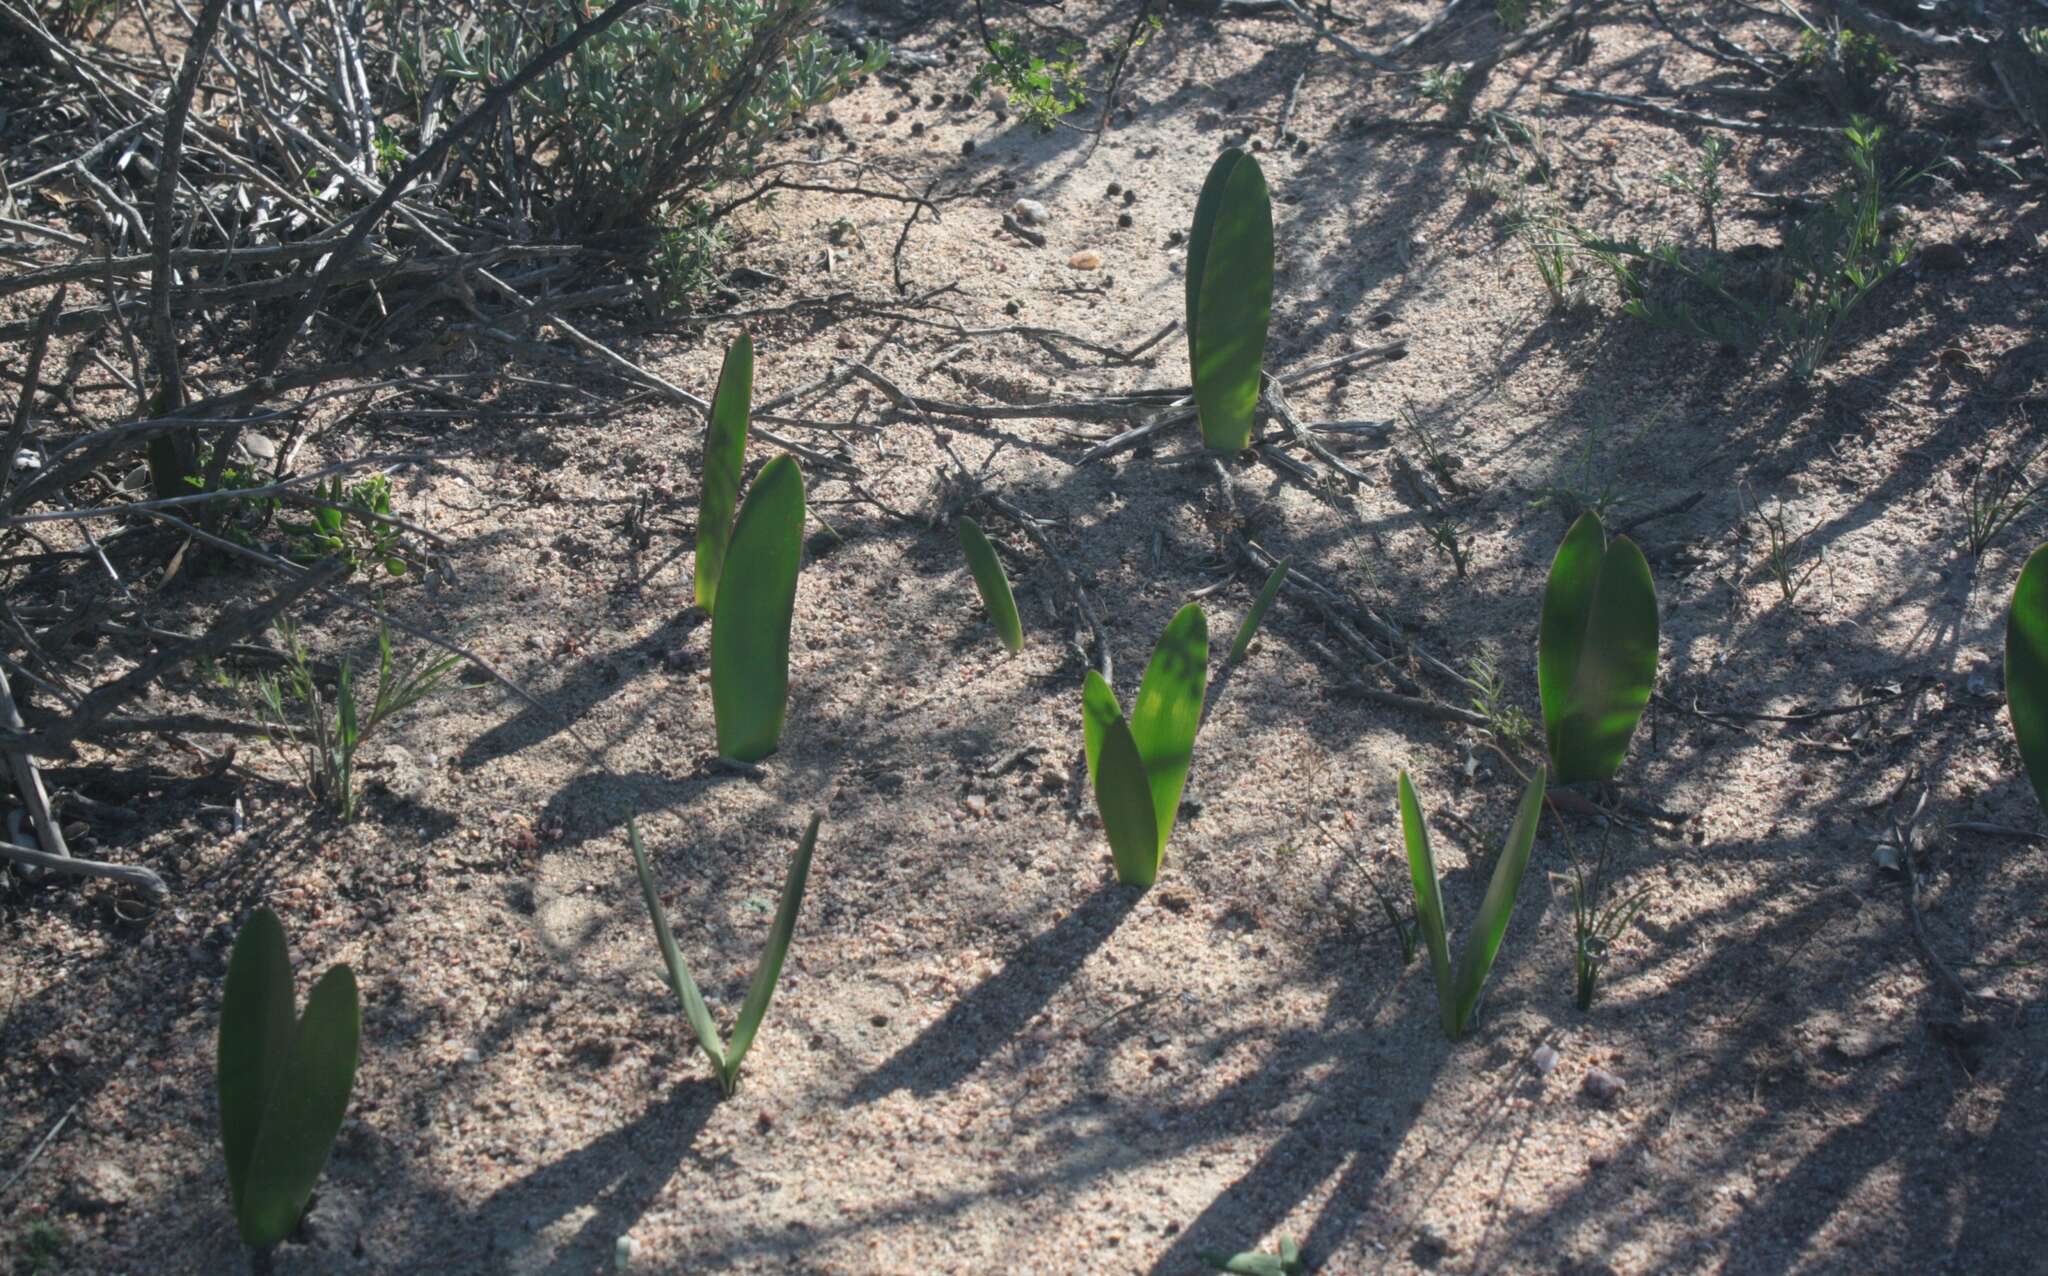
993 584
750 624
726 1057
725 454
1229 298
283 1079
2026 670
1457 991
1252 619
1139 767
1596 651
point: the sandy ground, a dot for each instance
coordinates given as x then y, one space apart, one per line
988 1057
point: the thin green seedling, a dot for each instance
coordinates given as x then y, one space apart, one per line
727 1056
1252 619
1139 767
993 584
2000 494
1229 298
282 1079
1507 722
1599 915
1596 651
2026 669
725 455
1702 181
328 738
1458 990
756 606
1784 551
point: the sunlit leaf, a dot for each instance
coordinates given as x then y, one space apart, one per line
994 585
751 622
2026 669
725 454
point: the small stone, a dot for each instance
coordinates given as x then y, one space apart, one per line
976 805
967 147
1124 221
1013 307
1894 219
1544 1059
1114 189
624 1253
1030 212
1086 259
1602 1086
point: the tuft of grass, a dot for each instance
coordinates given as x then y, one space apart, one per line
1598 917
2000 493
726 1056
1784 551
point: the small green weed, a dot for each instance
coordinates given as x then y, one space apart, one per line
40 1249
1508 723
1701 180
2000 493
1044 90
1784 556
1599 915
350 523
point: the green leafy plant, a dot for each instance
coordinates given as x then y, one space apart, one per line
283 1079
1229 297
1596 654
756 604
1139 767
328 737
1702 181
1457 991
726 1057
41 1247
1554 251
1042 89
1598 918
994 585
1505 720
350 523
1252 619
1252 1262
2026 669
725 454
2000 492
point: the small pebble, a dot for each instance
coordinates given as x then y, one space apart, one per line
1030 212
1086 259
1544 1060
1123 221
1602 1086
1115 189
967 147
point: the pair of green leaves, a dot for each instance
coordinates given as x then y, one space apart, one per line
994 584
1457 991
747 569
2026 669
1596 652
726 1057
1139 767
1229 297
283 1079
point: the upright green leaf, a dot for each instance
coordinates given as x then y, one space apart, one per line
725 454
255 1034
1230 297
687 995
1252 618
1168 712
1125 801
304 1111
1483 943
1596 651
1098 709
993 584
1429 902
755 1008
750 624
2026 669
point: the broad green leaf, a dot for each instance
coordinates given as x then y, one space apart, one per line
1482 944
1232 303
2026 669
687 995
993 584
1098 709
1168 712
1596 651
304 1112
725 454
255 1035
1203 234
1429 900
755 1008
750 624
1250 627
1124 800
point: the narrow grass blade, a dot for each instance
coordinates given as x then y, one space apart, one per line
304 1111
1429 899
1252 618
755 1008
1098 709
1168 712
750 625
1482 944
1596 652
1124 799
994 585
1233 305
255 1035
725 454
2026 669
687 995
